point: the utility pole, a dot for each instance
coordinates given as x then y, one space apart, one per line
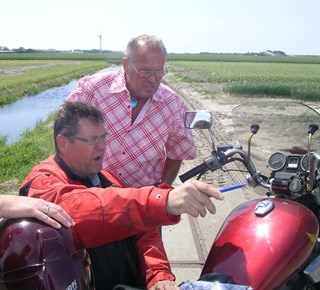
100 37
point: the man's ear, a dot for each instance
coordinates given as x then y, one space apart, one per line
62 143
125 63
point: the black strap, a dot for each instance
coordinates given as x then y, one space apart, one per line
116 263
24 190
126 287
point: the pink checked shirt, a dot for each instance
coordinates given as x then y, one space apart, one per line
136 152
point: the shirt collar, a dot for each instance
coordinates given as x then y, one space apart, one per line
87 181
119 85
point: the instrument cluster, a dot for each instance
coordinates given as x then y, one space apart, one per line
280 161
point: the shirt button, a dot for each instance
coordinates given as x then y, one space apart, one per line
158 196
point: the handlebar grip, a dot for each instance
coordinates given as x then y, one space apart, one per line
194 171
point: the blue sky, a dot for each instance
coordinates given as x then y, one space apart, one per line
229 26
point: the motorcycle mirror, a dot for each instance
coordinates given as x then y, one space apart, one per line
198 120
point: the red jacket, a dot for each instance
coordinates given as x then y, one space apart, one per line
104 215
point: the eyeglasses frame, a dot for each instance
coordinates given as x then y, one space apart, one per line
92 141
149 72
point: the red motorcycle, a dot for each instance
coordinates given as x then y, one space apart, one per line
272 242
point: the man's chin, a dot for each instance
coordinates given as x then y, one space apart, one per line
96 169
149 95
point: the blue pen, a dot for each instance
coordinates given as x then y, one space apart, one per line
231 187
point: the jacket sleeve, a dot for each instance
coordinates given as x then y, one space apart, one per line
153 259
104 215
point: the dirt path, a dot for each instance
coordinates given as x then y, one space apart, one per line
221 107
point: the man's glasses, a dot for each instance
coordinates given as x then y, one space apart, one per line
149 73
92 140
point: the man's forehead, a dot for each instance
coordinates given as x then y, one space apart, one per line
141 42
151 58
87 124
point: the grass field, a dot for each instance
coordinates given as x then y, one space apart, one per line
28 77
17 159
113 57
203 57
28 74
283 76
294 80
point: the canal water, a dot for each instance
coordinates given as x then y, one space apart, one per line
27 112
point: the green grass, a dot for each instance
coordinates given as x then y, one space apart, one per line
16 160
210 57
109 57
296 80
116 57
19 78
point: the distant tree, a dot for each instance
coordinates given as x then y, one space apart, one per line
279 52
19 50
30 50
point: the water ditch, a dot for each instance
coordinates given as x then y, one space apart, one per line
27 112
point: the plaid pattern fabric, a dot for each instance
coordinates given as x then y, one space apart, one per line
136 152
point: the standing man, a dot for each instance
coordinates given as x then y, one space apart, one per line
148 140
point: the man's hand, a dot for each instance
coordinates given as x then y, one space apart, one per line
193 198
165 285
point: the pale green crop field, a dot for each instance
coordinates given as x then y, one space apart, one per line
293 80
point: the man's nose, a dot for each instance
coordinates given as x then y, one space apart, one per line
152 78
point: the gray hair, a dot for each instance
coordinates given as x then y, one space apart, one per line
151 41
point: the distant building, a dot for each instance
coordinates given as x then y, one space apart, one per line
4 49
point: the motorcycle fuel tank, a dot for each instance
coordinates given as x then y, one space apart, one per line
262 242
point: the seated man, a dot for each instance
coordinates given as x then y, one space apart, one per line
118 226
